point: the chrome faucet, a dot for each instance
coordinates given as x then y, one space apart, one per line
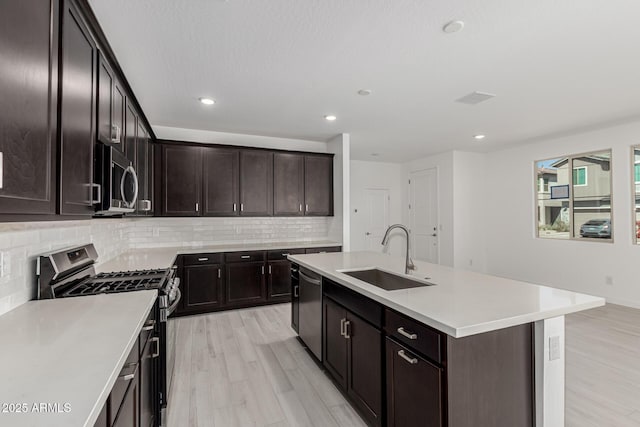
408 263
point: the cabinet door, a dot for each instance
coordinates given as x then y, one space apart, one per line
288 184
131 133
28 106
103 418
77 115
106 83
318 185
142 169
118 115
245 283
221 176
147 385
295 303
256 183
335 343
129 413
203 287
414 388
181 178
279 280
364 383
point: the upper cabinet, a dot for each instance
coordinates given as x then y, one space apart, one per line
221 169
181 180
318 185
256 183
28 106
144 169
111 102
78 192
238 181
288 184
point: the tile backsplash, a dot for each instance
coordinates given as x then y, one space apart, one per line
157 232
21 243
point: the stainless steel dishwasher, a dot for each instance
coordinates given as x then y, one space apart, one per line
310 322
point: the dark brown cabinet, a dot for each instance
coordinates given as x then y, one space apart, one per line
103 418
245 283
353 356
295 297
130 133
129 413
203 286
181 177
147 385
221 169
144 170
111 106
318 185
28 106
288 184
256 183
279 280
323 250
414 389
77 115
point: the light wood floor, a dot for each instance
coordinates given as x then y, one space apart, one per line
245 368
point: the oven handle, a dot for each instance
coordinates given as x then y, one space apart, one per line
174 304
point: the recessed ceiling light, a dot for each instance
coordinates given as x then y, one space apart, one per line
207 101
453 27
364 92
479 137
330 117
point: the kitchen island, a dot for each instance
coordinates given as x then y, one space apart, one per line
493 348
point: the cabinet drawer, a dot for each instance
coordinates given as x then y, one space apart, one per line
414 334
197 259
244 256
323 250
281 254
127 375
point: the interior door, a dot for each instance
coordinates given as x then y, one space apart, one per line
376 217
423 212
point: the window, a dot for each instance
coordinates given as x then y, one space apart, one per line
636 172
573 199
636 191
579 176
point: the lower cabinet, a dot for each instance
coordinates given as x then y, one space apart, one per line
414 388
295 297
129 413
203 285
353 356
245 283
147 385
279 280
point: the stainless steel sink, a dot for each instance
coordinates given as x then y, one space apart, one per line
385 280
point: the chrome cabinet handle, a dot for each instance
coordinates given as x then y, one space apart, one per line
411 360
117 138
347 327
296 292
144 205
241 207
219 273
409 335
156 353
99 188
197 207
285 255
342 322
148 328
128 377
307 207
263 270
234 207
269 268
245 256
203 259
300 208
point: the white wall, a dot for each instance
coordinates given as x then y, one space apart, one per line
469 209
339 224
444 164
375 175
514 251
211 137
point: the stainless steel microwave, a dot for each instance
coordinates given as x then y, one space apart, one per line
118 180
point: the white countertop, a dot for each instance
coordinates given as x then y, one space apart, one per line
67 351
154 258
461 303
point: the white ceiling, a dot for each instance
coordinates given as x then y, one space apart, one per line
277 67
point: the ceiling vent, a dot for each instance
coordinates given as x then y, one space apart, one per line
475 98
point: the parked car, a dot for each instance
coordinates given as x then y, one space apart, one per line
596 228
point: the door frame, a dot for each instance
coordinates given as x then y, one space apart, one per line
387 207
410 203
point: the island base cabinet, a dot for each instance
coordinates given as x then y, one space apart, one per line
414 389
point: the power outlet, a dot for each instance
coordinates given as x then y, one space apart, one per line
554 348
608 280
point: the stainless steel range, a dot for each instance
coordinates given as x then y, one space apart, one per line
71 273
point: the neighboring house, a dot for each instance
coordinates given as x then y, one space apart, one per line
591 178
